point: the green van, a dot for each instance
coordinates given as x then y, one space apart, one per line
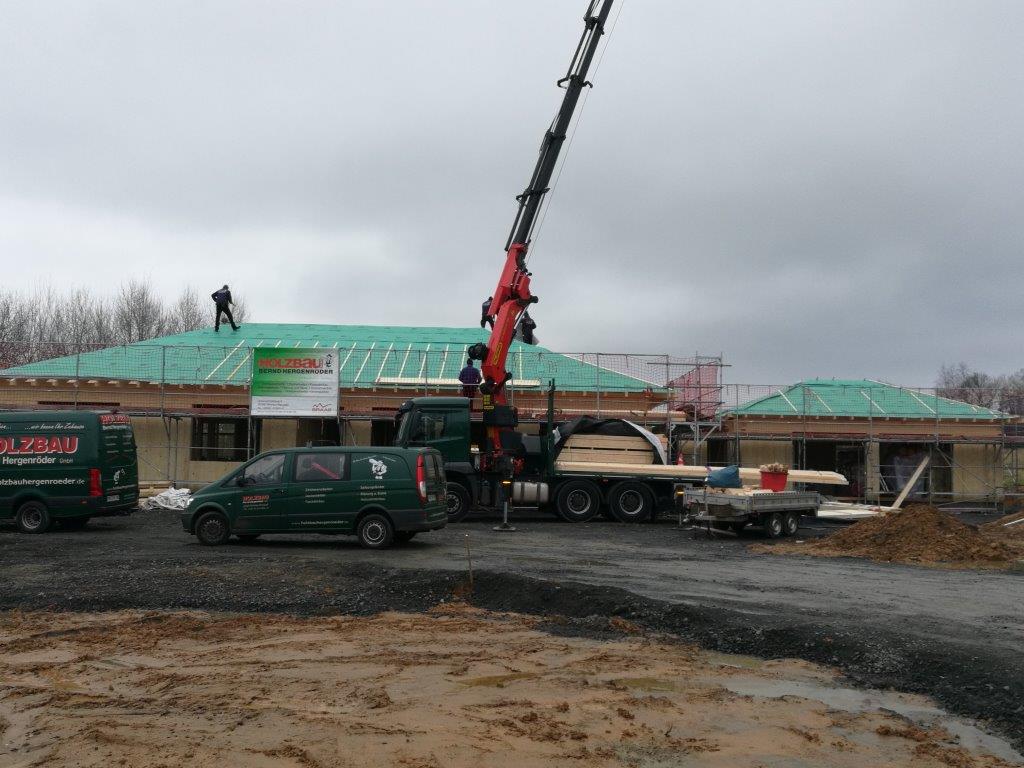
66 466
381 495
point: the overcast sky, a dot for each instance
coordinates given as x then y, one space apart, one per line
810 188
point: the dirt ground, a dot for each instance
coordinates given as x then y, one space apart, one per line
456 686
954 636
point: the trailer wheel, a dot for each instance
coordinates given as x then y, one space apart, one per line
791 523
631 502
578 501
773 525
457 501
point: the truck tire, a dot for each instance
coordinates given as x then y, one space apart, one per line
33 517
376 531
790 523
631 502
458 502
212 529
773 525
578 501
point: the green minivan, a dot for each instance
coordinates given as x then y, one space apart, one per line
381 495
66 467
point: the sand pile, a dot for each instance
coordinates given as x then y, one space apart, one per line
919 534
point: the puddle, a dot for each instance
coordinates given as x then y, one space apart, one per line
733 660
643 683
498 681
915 708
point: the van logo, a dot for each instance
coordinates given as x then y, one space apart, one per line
118 475
38 445
378 465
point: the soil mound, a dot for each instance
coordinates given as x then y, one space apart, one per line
918 534
1001 528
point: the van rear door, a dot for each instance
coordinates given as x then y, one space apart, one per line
118 458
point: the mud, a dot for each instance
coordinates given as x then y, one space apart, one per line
453 686
953 635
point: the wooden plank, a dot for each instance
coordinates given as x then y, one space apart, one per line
676 471
613 457
611 441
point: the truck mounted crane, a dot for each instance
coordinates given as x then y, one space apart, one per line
512 296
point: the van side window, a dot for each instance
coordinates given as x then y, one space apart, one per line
320 467
266 471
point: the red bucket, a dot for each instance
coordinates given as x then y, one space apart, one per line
774 481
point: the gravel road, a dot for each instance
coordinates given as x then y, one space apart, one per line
955 635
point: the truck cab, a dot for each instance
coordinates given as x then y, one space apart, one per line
443 423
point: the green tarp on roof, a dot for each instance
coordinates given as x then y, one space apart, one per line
861 398
370 356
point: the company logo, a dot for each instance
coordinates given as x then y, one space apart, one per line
327 407
114 418
295 362
118 475
16 446
255 499
378 465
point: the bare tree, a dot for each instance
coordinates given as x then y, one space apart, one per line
1001 392
49 323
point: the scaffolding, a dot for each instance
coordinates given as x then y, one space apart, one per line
199 398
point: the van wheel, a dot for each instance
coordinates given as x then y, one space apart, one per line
791 523
457 500
773 525
33 517
74 523
631 502
403 537
578 501
376 531
212 529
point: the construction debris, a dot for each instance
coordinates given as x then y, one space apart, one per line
174 499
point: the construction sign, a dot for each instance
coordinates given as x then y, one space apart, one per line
294 382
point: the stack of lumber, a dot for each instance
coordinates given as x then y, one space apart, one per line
608 449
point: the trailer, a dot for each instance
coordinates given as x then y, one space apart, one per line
776 513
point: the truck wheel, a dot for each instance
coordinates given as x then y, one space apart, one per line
457 499
773 525
631 502
578 501
33 517
212 529
376 531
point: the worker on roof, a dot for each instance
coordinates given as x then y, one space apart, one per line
470 378
526 328
485 312
222 299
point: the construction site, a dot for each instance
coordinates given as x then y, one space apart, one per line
347 543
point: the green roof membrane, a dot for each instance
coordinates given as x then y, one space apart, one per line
370 355
862 398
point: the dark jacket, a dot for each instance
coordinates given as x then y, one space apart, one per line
222 297
469 375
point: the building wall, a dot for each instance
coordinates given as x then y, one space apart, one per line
977 470
754 453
